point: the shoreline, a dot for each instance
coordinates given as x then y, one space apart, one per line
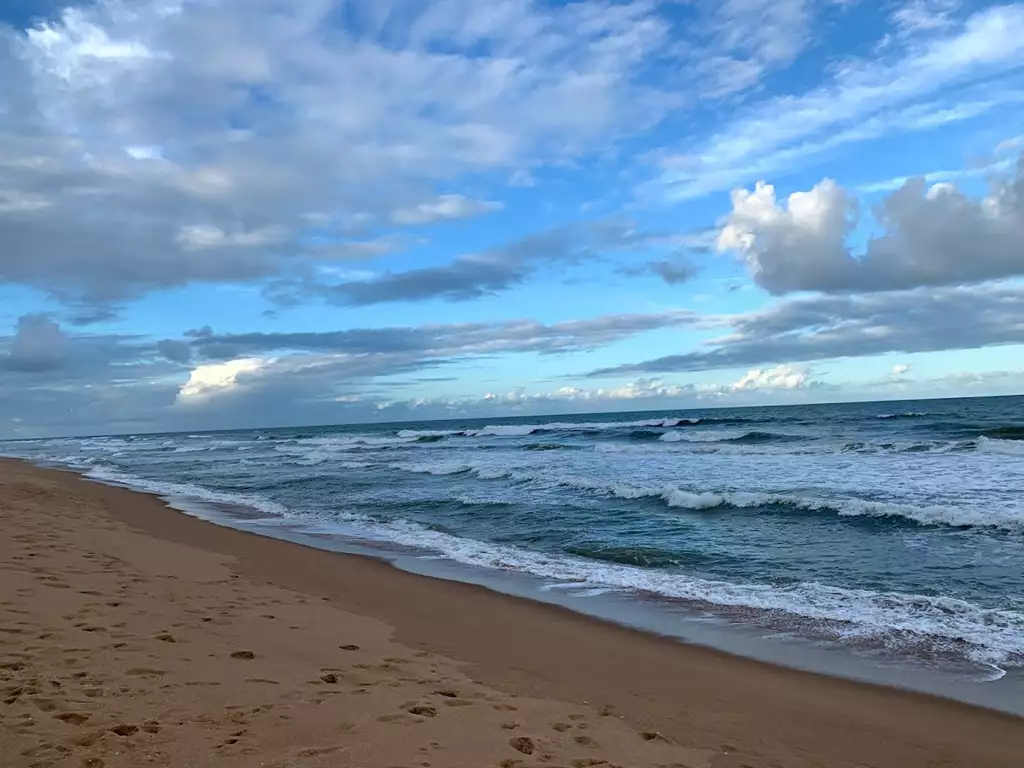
750 637
726 710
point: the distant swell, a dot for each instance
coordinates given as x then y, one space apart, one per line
524 430
1005 433
646 434
746 438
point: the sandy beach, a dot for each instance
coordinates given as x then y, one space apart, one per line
131 634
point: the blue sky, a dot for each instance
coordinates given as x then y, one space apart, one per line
228 213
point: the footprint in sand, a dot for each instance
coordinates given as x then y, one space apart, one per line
424 710
522 744
72 718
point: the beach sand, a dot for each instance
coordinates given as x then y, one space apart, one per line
133 635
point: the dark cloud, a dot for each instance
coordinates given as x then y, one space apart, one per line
933 235
827 327
42 354
671 271
38 345
453 340
477 275
175 351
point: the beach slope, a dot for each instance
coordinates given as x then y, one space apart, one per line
134 635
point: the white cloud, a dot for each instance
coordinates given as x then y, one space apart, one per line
202 236
900 369
1006 146
961 74
444 208
80 51
933 235
806 234
208 134
917 16
740 41
522 178
779 377
213 378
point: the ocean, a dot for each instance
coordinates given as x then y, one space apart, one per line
893 532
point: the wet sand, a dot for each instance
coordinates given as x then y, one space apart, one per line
131 634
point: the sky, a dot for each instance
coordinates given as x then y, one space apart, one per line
236 213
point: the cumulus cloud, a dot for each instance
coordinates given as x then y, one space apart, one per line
642 393
779 377
836 326
933 235
208 379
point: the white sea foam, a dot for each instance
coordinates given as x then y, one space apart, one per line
348 442
188 490
1004 447
415 434
991 636
959 517
703 436
312 458
1011 519
505 430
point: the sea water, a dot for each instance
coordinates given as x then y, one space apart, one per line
895 530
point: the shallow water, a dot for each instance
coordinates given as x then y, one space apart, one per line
894 529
